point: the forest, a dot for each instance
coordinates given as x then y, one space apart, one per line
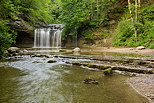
131 20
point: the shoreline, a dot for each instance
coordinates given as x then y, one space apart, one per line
143 84
138 91
144 52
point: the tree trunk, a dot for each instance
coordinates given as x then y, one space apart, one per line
97 8
133 21
139 3
130 10
136 18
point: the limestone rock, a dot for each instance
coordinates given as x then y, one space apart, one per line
140 48
76 49
13 50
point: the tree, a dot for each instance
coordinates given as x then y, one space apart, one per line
134 16
7 36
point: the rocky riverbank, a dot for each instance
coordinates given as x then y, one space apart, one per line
144 85
144 52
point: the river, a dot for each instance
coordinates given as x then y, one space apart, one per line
33 80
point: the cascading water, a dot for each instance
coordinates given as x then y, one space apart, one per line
42 38
56 39
48 37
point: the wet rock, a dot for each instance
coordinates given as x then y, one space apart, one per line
140 48
62 50
12 50
25 51
79 64
90 81
76 49
108 71
36 62
22 52
125 73
15 54
52 61
48 56
38 55
76 53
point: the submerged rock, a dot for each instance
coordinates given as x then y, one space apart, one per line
108 71
90 81
36 62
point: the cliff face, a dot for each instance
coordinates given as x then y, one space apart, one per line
25 32
21 25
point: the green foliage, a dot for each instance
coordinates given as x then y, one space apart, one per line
145 28
31 11
80 15
36 10
7 36
7 9
88 34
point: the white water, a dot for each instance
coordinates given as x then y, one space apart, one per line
47 38
42 38
56 39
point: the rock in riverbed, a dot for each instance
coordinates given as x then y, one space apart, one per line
108 71
52 61
90 81
12 50
76 49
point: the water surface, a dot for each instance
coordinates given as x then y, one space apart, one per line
28 81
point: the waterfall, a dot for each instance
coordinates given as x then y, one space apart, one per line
48 37
42 38
56 39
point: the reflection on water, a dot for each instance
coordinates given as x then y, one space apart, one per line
60 83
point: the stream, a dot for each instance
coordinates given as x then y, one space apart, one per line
34 80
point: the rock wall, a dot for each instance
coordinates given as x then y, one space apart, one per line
25 32
97 41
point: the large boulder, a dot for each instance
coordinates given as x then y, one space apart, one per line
76 49
12 50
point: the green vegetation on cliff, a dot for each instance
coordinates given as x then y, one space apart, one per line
7 37
15 13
